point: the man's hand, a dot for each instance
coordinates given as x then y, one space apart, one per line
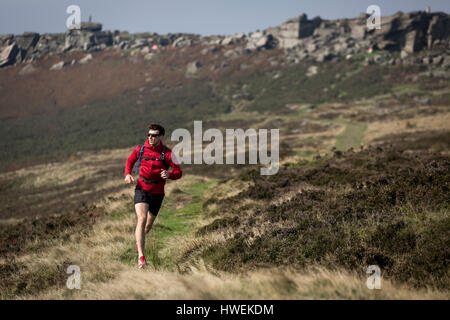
129 179
164 174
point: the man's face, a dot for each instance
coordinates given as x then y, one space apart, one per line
153 137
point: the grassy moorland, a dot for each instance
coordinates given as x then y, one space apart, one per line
53 123
308 232
379 206
104 251
364 180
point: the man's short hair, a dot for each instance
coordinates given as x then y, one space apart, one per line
155 126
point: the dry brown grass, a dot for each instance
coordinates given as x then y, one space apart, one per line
381 128
105 277
292 193
96 252
81 180
202 283
81 165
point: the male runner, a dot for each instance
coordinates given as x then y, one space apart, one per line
149 192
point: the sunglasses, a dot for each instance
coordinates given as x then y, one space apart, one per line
153 135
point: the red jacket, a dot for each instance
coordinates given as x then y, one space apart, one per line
151 169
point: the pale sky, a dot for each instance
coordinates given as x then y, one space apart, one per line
205 17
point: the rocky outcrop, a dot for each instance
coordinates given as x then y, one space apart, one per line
58 66
406 33
261 40
90 35
438 29
290 33
48 44
26 42
86 59
234 39
301 38
410 32
8 54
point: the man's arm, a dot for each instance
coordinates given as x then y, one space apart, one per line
132 160
176 172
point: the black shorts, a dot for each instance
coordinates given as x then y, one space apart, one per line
154 200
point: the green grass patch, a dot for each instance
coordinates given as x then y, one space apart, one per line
352 136
407 89
170 223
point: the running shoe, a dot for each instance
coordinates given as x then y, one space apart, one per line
141 262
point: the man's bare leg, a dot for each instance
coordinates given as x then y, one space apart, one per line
150 219
141 212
